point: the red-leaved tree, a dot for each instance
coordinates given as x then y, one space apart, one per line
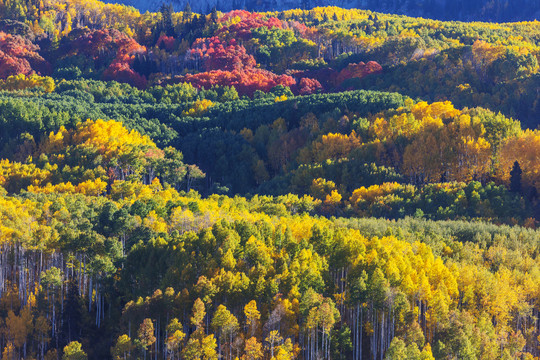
111 49
215 54
20 56
307 86
248 21
166 42
245 82
357 71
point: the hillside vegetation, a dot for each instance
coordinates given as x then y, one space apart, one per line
322 184
472 10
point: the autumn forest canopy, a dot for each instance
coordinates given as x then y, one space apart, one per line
301 184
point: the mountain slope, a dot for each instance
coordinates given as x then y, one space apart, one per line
474 10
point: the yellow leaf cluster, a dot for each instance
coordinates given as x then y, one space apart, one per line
89 188
198 108
110 138
525 149
373 192
22 82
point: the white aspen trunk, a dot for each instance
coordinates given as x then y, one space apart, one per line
306 349
316 340
53 316
374 339
62 297
158 341
97 304
361 328
230 344
352 322
323 335
329 346
382 335
313 344
90 295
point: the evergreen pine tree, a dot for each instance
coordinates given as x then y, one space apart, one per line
515 178
214 15
167 23
186 16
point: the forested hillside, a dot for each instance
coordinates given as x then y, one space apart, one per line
471 10
322 184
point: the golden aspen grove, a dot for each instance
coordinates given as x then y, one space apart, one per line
306 184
